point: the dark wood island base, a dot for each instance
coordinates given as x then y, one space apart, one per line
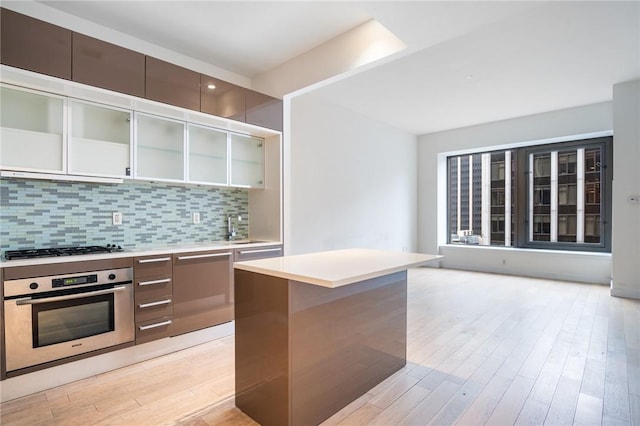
304 351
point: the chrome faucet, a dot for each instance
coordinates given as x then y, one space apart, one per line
231 230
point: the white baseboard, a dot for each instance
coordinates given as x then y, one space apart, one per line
626 293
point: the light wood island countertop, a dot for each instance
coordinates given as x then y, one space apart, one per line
337 268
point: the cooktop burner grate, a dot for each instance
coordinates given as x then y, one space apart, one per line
60 251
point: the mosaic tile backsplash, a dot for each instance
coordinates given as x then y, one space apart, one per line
37 214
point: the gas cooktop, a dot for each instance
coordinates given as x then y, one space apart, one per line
60 251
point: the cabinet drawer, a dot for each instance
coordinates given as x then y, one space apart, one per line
153 287
150 309
153 330
152 266
257 253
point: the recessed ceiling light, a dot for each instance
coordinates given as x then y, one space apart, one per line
468 77
211 86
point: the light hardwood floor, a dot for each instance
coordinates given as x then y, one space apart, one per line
482 349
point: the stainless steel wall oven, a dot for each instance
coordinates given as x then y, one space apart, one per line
57 316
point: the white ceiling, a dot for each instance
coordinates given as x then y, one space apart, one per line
466 62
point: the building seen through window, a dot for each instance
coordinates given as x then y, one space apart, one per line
557 199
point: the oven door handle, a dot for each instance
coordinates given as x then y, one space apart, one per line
30 301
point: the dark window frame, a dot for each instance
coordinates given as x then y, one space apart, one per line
520 201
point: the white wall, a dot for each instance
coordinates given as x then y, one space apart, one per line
349 181
545 127
626 183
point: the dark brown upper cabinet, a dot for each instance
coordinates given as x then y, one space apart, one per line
34 45
171 84
106 65
264 110
223 99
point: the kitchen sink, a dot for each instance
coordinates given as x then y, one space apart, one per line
239 242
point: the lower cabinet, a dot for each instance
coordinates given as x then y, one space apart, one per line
153 297
257 253
202 290
184 292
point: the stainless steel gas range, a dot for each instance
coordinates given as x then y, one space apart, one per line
59 310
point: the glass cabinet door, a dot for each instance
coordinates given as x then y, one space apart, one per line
159 148
247 161
100 142
207 155
32 131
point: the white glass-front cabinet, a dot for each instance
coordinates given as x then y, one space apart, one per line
100 140
45 133
247 161
32 131
159 148
207 159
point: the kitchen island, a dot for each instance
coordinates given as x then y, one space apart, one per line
314 332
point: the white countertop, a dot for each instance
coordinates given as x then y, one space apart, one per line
337 268
143 250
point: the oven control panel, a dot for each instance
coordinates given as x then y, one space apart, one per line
71 281
27 286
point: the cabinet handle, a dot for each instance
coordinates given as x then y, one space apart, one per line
31 301
157 259
203 256
158 324
166 280
259 251
151 304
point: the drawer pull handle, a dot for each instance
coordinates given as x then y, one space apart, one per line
151 304
203 256
157 259
163 281
259 251
158 324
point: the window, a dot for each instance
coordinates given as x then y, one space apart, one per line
542 195
542 166
497 170
497 224
541 227
554 196
567 163
567 194
497 197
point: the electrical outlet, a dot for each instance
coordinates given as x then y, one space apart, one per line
116 218
196 217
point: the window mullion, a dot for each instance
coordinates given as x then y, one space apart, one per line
485 231
554 196
471 194
507 198
530 192
459 192
580 196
